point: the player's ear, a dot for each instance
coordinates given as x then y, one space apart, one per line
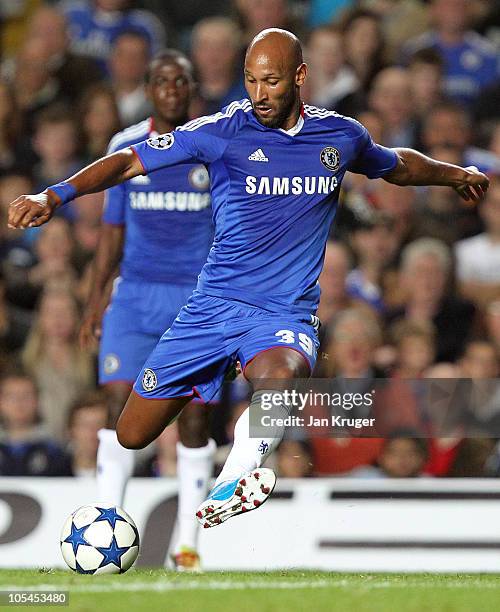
300 75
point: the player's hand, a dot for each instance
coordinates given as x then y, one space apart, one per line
474 185
91 328
31 210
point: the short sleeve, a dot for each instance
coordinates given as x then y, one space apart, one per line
372 160
181 145
115 205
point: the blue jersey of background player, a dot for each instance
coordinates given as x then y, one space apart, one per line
159 227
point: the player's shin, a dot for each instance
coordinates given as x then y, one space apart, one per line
250 452
194 470
115 465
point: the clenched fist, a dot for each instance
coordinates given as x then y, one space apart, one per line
32 210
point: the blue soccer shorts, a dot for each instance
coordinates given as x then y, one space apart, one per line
137 316
209 335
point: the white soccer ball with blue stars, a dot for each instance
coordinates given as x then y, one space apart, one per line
99 540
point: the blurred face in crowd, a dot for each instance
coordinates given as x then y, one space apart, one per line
293 460
446 127
262 14
352 346
402 458
376 245
425 278
10 187
333 276
450 15
374 124
32 68
480 361
49 25
325 52
101 117
416 353
390 96
490 209
18 402
129 59
362 39
215 48
85 424
493 323
112 5
274 73
56 141
426 83
58 316
55 241
170 89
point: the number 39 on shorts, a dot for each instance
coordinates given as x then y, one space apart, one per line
287 336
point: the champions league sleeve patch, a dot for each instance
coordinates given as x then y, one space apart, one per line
330 158
163 141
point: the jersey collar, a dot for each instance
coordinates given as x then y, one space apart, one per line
293 131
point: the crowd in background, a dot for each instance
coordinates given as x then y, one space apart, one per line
411 283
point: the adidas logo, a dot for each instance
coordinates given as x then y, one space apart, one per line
258 156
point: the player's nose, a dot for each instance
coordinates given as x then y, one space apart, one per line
260 93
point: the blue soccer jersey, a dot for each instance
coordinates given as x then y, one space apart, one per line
274 196
167 217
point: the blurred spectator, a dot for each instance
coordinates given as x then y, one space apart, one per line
87 416
426 81
86 228
390 98
329 80
479 360
474 459
15 325
364 45
449 125
403 455
415 348
48 24
35 88
25 445
52 356
478 258
257 15
99 120
471 62
10 131
96 24
375 245
128 64
425 271
55 141
215 51
294 459
353 340
492 323
323 12
336 456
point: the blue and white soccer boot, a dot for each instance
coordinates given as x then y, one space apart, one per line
233 497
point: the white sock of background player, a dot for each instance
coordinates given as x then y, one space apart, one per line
115 465
249 453
194 471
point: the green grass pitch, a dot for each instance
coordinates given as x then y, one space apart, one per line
155 590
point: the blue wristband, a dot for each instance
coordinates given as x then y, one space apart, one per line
64 190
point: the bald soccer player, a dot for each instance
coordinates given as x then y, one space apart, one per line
275 166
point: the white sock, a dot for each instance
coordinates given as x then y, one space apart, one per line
194 470
115 465
249 453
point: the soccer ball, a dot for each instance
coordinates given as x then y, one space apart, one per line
99 540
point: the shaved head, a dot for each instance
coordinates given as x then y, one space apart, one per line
274 73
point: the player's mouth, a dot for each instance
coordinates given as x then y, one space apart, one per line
263 111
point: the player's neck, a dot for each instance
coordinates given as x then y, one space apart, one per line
293 117
162 126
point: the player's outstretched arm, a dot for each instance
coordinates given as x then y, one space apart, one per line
414 168
33 210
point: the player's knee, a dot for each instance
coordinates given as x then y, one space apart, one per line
129 438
